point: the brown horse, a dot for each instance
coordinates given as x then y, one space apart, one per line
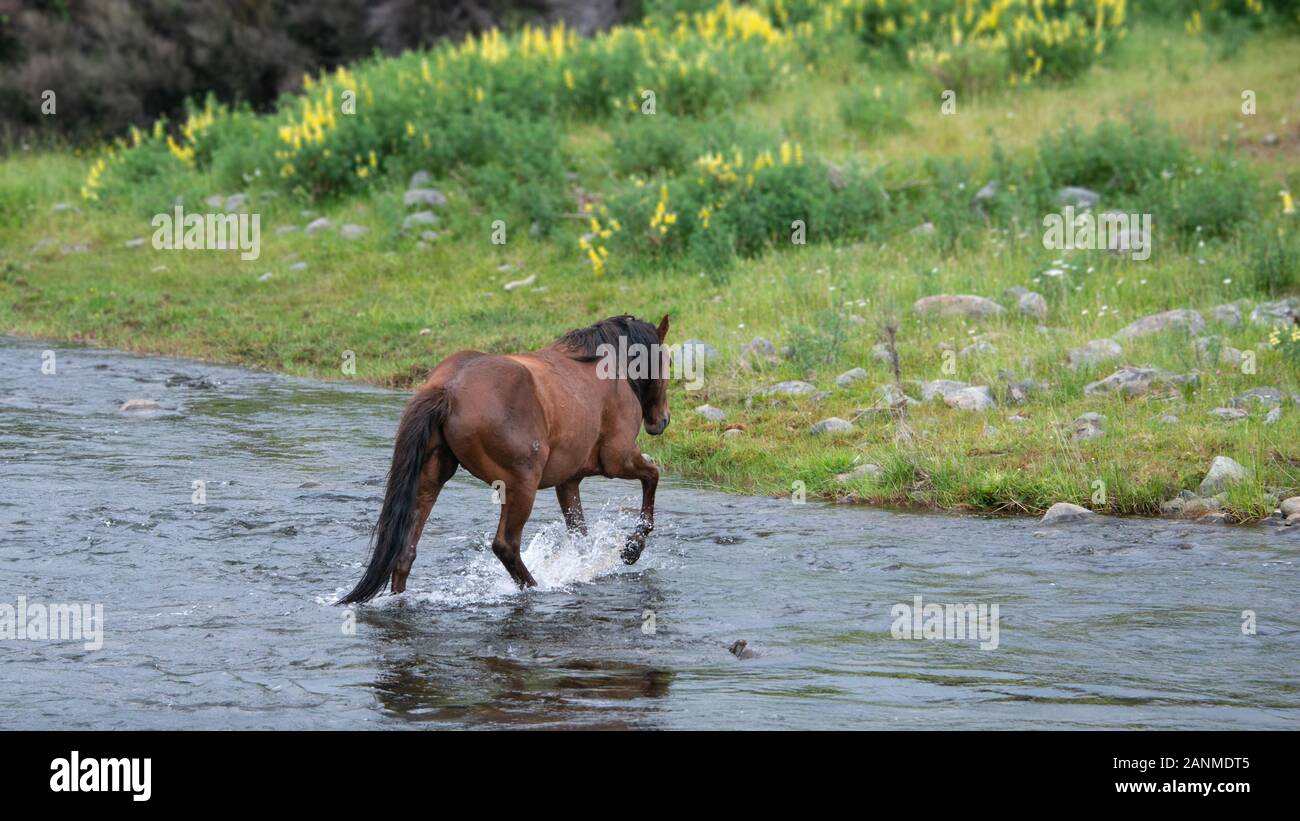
523 422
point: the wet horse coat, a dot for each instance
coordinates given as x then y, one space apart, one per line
521 423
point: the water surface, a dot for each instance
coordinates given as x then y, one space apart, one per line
220 615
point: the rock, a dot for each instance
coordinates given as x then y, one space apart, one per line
428 236
286 229
1229 414
977 348
880 352
1123 234
1017 418
989 431
1168 419
424 196
139 405
792 387
1095 352
1281 313
135 243
61 207
1019 392
235 202
732 432
1272 416
420 179
977 397
711 413
1088 426
741 649
1129 381
695 353
265 277
1268 397
865 470
74 248
426 331
1080 198
298 266
215 200
1206 346
520 283
1064 512
318 225
419 218
1228 314
925 229
758 350
957 305
1032 304
1223 472
832 424
1179 317
850 376
893 395
986 194
940 388
1290 507
350 231
1270 139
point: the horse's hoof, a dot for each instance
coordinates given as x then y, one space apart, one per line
632 549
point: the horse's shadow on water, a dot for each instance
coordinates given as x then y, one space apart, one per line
521 662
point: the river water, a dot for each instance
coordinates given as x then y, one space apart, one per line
218 608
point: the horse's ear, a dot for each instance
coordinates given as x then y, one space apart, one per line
663 328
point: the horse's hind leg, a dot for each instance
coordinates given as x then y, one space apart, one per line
516 507
571 506
435 474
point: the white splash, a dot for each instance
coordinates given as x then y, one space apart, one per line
558 560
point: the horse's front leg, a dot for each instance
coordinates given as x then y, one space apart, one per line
638 467
571 505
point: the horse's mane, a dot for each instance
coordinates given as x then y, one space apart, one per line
584 343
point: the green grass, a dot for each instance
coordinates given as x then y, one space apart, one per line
374 296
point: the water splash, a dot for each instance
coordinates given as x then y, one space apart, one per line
559 561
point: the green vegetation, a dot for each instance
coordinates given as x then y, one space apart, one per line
760 120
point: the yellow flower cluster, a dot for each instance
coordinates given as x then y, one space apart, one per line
662 217
591 244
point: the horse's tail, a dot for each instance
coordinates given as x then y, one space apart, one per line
418 435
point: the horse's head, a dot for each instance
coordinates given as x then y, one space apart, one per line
654 397
624 347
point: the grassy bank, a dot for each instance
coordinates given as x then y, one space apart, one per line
401 304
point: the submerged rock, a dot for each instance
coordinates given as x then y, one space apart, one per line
1063 512
138 405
